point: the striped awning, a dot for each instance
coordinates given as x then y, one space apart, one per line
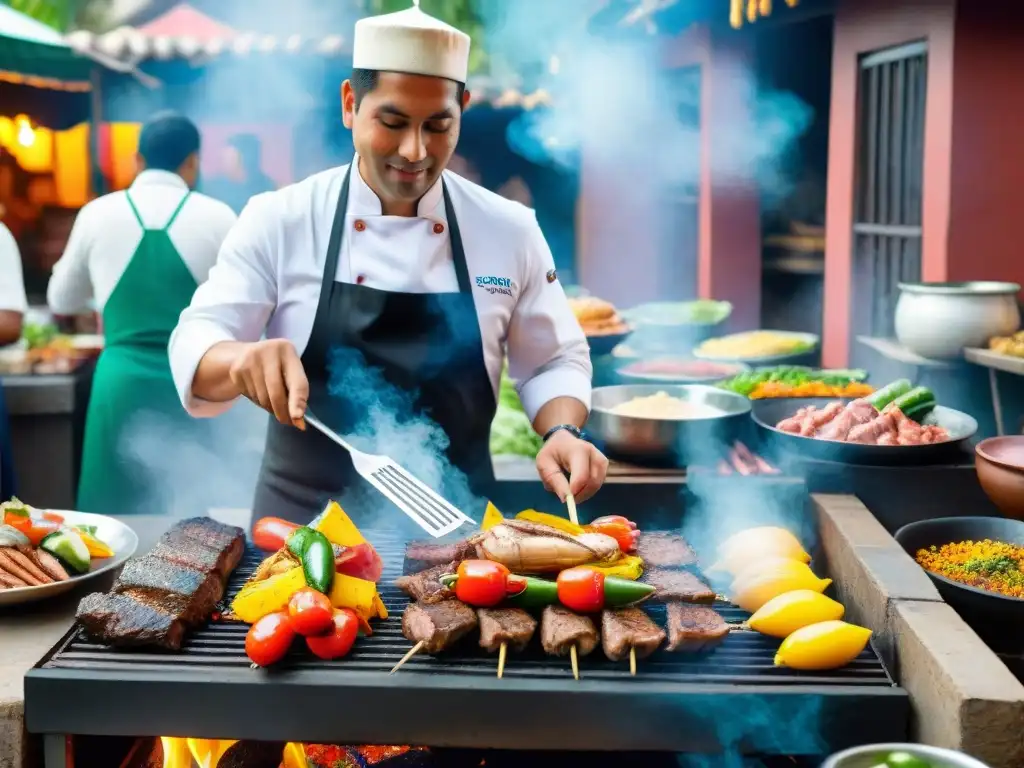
131 44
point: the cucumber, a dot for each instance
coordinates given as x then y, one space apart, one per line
917 403
67 546
889 392
90 529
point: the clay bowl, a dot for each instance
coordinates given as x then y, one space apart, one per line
1000 467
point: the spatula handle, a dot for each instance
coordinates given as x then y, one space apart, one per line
330 433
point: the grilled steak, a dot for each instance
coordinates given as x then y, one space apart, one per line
425 586
214 535
665 550
191 595
694 627
512 626
421 555
678 585
561 629
130 620
437 626
626 628
177 547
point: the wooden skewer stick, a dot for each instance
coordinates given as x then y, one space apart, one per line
632 661
501 659
575 663
412 652
570 502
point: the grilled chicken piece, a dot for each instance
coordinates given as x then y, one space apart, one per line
129 620
19 565
512 626
678 585
623 629
437 626
561 629
694 627
426 586
525 547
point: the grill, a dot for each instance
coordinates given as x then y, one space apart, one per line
731 698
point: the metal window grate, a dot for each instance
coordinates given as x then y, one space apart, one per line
890 169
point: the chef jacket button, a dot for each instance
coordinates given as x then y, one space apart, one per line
438 228
360 225
360 279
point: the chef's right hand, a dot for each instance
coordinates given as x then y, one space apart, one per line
270 373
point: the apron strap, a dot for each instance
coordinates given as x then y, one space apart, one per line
135 210
177 210
138 217
333 250
455 234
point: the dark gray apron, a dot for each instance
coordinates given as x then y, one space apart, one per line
409 355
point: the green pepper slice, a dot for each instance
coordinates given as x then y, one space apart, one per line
318 562
621 592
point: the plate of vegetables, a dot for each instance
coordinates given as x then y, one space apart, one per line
44 553
798 381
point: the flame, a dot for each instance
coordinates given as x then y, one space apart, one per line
176 754
26 134
208 752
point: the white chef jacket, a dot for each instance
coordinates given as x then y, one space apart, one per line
106 234
12 281
267 280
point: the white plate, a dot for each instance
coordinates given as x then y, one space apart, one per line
809 338
115 534
678 378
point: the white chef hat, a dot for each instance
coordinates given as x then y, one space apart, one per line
411 41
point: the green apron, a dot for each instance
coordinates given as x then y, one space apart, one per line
134 407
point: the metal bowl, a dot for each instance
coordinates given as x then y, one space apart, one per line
871 755
668 442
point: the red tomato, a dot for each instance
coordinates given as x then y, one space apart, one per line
269 639
624 536
581 589
270 533
339 639
360 562
615 519
310 612
482 583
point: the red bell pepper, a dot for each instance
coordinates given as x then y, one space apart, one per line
619 528
271 533
484 583
36 530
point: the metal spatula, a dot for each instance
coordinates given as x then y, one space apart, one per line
426 508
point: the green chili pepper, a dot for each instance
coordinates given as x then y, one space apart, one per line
620 592
298 540
318 561
537 594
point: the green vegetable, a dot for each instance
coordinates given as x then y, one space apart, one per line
905 760
882 397
990 566
792 375
512 434
90 529
917 403
37 336
318 561
68 547
620 592
538 593
15 507
298 540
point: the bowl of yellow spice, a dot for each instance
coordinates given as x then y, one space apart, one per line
977 565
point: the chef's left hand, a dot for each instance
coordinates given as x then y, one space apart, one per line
565 453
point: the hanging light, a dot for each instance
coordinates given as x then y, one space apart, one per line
26 134
752 10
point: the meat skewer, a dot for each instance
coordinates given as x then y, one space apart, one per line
432 627
631 628
501 627
563 632
694 628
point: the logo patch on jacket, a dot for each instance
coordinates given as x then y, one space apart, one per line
495 285
552 275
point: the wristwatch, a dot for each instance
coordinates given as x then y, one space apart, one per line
572 429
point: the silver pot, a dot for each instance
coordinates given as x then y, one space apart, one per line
938 320
665 441
873 755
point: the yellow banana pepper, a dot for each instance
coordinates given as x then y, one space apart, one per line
543 518
492 517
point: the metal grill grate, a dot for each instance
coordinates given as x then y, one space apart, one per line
890 169
208 690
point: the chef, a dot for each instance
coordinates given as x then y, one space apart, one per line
138 255
395 266
13 304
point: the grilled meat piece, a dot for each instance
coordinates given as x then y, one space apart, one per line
678 585
51 565
694 627
186 593
179 548
665 550
438 626
19 565
10 581
561 629
626 628
421 555
526 547
213 535
512 626
425 586
130 619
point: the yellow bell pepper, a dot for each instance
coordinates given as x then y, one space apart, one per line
263 597
337 526
380 610
294 756
628 567
96 547
543 518
492 517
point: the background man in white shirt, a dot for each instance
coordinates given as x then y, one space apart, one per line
384 278
13 302
139 255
